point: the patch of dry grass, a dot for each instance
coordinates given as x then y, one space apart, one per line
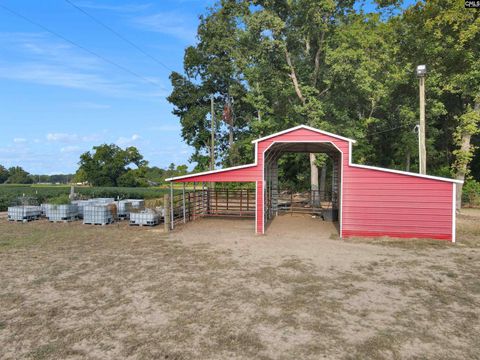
74 291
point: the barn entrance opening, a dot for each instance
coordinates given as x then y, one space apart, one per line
285 194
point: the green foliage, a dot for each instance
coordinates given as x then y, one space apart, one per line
327 64
3 174
471 192
59 200
16 175
468 125
109 165
158 175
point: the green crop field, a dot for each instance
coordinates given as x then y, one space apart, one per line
9 194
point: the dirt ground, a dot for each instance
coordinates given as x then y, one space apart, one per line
214 290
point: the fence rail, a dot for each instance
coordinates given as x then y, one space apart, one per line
187 206
314 202
190 205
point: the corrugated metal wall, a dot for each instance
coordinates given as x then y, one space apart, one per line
378 203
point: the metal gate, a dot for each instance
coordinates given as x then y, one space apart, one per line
187 206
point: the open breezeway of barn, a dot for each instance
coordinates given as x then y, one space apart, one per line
370 201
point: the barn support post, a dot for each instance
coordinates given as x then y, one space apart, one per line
209 199
259 197
241 201
194 200
172 220
166 212
275 188
183 204
203 198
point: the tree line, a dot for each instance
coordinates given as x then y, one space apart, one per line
334 66
106 165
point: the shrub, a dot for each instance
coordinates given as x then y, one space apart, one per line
471 193
59 200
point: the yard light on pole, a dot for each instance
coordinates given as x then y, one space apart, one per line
422 152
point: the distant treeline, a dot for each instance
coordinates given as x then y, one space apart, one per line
144 177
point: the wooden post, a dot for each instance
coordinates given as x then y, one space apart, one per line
194 201
291 203
212 140
422 153
172 219
183 204
241 201
166 210
204 198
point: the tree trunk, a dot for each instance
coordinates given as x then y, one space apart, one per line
298 91
323 180
293 76
316 68
462 170
314 180
230 136
407 160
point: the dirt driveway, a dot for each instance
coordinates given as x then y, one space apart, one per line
214 290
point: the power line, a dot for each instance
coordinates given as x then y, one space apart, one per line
117 34
121 67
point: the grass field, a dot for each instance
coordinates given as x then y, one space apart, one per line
213 290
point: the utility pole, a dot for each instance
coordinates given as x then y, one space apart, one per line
212 142
422 152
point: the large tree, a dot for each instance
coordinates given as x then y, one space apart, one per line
110 165
446 36
285 63
329 64
16 175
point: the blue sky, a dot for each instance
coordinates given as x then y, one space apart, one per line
57 101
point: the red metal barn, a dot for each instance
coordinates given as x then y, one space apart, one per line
372 201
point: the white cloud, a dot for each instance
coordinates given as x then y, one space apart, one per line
172 23
62 137
40 60
127 141
91 137
57 76
71 138
19 140
70 149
